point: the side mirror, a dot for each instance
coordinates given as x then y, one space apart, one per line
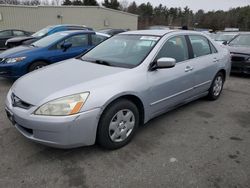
225 43
164 63
66 46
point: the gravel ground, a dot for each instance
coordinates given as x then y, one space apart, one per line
202 144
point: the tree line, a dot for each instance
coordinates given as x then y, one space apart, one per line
161 14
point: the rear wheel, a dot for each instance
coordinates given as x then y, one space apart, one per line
216 87
118 124
37 65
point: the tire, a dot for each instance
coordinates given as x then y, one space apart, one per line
118 124
216 87
37 65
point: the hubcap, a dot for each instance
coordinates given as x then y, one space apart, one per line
121 125
39 67
218 83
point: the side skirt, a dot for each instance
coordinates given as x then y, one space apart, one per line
178 105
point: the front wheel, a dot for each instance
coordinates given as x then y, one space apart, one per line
118 124
216 87
37 65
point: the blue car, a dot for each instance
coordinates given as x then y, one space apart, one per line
24 40
20 60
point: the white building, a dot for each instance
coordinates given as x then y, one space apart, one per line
33 18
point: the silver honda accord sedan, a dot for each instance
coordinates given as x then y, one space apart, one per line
105 94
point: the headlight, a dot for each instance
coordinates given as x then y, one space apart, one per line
64 106
14 60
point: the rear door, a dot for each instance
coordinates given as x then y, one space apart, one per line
172 86
205 62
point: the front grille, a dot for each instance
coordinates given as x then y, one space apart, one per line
238 58
17 102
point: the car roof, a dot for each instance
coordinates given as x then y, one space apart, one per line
67 25
71 32
159 32
243 33
148 32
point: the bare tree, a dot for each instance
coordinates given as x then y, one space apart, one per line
124 5
45 2
57 2
10 2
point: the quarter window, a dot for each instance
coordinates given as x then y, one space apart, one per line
200 45
176 48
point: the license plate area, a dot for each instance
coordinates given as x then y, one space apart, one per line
10 116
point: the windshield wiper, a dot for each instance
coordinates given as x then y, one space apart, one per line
102 62
97 61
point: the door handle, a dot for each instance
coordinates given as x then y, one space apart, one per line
188 69
215 60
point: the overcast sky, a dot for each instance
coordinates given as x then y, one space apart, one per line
198 4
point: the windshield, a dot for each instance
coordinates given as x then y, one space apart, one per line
47 41
122 50
224 36
241 40
42 32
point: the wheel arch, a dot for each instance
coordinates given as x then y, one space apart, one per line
131 97
36 60
223 71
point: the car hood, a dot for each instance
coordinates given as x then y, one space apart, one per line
72 76
19 39
18 51
239 49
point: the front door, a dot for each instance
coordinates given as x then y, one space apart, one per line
172 86
79 44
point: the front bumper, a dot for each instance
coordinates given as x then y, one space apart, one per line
12 70
240 67
60 132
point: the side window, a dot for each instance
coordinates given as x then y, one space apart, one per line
96 39
5 33
78 40
176 48
213 49
18 33
200 45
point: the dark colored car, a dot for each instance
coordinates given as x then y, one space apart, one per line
10 33
25 40
224 37
239 48
112 32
